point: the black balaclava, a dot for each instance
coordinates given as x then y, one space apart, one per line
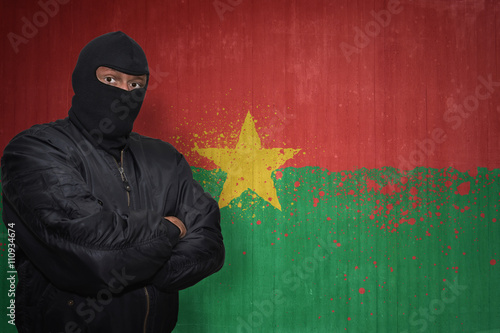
104 113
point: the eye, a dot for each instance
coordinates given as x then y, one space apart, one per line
136 85
109 80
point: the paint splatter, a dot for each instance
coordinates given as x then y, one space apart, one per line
464 188
384 224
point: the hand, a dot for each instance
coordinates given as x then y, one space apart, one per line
178 223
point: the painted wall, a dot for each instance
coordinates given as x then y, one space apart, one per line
353 146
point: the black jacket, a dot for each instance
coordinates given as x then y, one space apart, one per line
93 250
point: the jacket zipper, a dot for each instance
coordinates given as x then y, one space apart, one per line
147 308
128 189
124 178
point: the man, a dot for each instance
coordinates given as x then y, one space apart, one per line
109 224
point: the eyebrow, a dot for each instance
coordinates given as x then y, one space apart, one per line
108 71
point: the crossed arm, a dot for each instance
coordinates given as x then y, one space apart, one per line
77 244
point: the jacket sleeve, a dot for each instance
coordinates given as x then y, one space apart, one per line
64 230
201 252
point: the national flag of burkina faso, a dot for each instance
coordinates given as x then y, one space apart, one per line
354 151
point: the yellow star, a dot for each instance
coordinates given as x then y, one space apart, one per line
248 165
